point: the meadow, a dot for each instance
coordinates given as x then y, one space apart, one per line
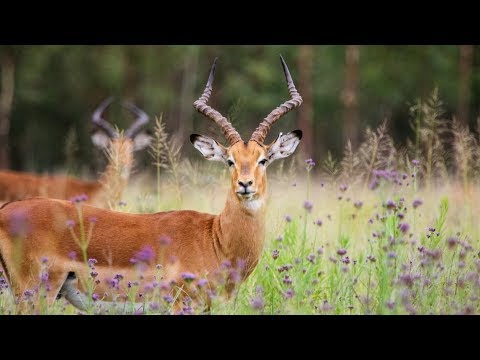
386 229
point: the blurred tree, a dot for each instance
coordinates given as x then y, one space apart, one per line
464 83
305 88
187 96
57 87
7 71
349 95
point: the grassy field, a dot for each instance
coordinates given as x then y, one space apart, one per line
332 248
388 230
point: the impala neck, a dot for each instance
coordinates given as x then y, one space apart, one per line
114 179
240 230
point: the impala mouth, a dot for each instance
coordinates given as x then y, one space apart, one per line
245 193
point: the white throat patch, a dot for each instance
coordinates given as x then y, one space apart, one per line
253 205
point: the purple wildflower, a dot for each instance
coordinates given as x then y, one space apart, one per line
374 184
202 282
318 222
341 252
358 204
28 294
92 262
93 274
308 205
70 224
44 259
287 280
415 162
390 204
391 254
72 255
146 254
452 242
288 294
404 227
416 203
188 277
257 303
343 187
311 258
346 260
320 251
275 254
95 297
153 306
79 199
44 277
288 218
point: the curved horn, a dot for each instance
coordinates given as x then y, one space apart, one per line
101 122
142 120
261 131
201 105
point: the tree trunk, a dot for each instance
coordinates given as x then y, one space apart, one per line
187 96
305 88
464 83
6 98
349 95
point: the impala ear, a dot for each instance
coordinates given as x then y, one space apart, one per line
284 146
141 141
100 139
209 148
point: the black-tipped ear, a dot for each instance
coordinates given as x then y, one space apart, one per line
194 137
299 133
209 148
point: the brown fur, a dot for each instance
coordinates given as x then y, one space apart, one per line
199 242
21 185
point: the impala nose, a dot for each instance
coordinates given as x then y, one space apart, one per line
245 184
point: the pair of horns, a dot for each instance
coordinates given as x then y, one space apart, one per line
141 120
261 131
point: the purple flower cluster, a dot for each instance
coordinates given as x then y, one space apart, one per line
188 276
145 255
275 254
308 205
309 164
79 198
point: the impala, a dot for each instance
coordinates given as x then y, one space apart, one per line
19 185
198 243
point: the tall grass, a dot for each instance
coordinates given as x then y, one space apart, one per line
385 230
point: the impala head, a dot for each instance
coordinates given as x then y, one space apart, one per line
133 138
248 160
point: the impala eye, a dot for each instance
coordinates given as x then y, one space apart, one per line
229 163
263 162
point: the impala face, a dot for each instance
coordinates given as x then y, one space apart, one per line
248 161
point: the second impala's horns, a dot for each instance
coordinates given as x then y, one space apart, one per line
134 129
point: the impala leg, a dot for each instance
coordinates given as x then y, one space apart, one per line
71 292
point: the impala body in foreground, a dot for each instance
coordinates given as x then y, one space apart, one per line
183 242
16 185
